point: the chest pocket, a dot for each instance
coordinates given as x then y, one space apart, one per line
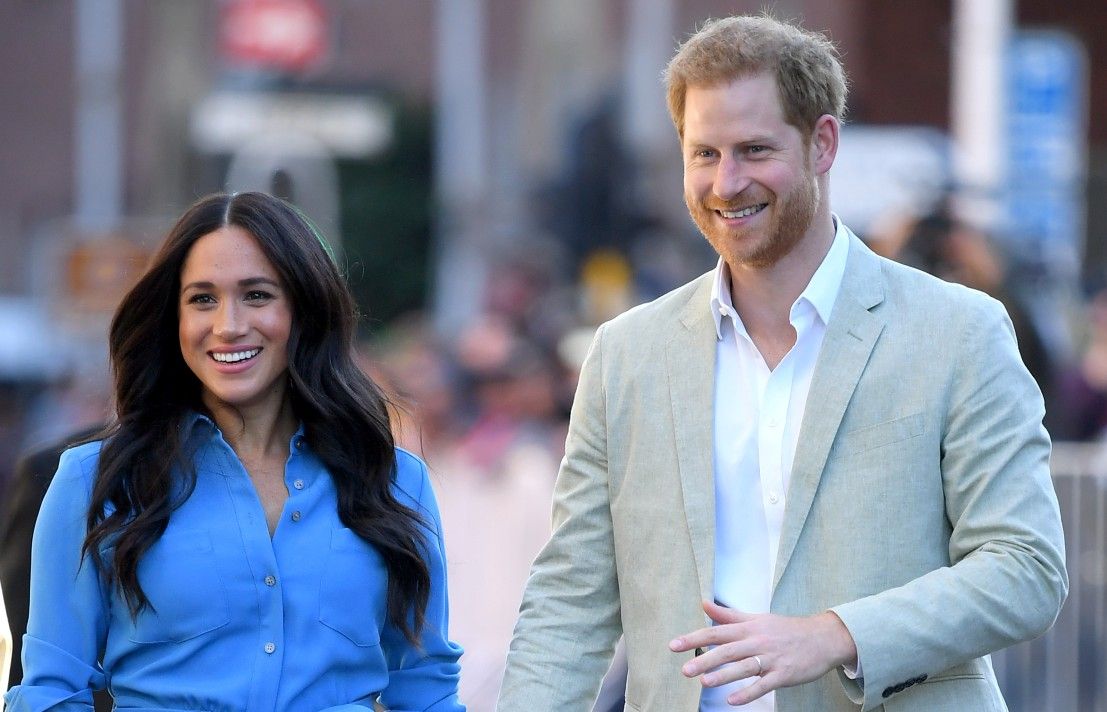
876 436
354 588
186 592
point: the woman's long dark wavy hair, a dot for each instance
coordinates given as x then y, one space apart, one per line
345 415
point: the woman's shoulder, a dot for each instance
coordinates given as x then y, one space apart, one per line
80 461
411 474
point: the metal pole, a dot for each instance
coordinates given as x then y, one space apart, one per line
461 171
98 174
650 43
981 31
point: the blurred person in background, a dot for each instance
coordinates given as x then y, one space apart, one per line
942 245
1082 386
495 491
248 503
413 367
835 462
31 478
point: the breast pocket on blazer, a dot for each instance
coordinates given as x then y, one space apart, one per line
354 586
182 582
870 437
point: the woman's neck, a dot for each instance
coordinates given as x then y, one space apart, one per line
257 431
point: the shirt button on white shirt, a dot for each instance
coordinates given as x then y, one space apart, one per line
270 648
298 484
757 416
270 580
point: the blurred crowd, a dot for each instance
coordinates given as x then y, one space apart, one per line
487 406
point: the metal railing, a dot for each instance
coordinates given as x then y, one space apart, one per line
1066 669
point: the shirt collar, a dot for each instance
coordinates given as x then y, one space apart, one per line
821 292
194 423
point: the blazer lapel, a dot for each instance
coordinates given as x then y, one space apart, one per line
850 336
690 365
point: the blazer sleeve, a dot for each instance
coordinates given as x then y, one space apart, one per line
1007 579
569 618
426 679
67 624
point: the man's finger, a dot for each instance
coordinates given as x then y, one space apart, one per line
716 657
721 614
746 667
706 637
766 683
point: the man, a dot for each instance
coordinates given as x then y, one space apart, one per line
812 477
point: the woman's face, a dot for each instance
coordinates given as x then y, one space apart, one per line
235 317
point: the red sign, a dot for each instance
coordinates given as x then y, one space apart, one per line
289 35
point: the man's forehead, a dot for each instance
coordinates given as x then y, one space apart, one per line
744 105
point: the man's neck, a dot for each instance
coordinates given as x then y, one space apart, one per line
763 296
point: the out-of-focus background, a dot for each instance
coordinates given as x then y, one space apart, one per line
499 176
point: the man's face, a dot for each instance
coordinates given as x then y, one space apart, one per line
748 178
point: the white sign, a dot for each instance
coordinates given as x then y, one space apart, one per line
349 126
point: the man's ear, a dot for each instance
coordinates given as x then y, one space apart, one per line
824 143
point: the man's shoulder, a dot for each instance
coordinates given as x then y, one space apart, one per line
908 288
657 315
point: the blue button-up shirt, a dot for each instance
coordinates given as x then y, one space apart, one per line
239 620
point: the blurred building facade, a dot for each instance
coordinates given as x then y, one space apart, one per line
551 74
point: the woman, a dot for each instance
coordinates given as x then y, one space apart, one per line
247 536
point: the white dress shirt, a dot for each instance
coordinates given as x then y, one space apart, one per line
758 413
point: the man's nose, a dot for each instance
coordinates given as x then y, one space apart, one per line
730 179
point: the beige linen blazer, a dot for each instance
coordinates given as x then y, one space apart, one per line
920 507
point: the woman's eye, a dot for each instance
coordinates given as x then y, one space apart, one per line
201 299
258 295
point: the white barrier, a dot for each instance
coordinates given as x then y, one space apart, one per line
1066 669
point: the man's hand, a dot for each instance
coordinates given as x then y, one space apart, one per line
782 650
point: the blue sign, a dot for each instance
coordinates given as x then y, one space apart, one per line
1046 146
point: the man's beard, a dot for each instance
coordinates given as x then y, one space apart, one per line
791 219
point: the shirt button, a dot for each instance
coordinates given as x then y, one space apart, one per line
270 580
299 443
296 516
722 310
270 648
298 484
773 498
